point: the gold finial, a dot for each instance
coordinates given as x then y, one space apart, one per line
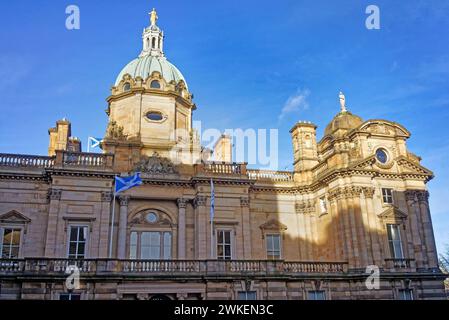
153 17
342 102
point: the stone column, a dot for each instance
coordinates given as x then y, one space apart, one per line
200 227
423 200
182 204
376 247
105 214
54 196
246 227
414 223
122 225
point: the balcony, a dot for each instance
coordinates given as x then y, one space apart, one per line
25 161
35 267
222 168
400 264
271 176
62 159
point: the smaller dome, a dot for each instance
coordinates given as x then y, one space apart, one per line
342 123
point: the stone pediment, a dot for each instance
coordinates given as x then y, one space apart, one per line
14 216
155 165
273 224
412 166
393 214
364 163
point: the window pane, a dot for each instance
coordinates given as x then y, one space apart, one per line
81 249
269 243
14 252
73 234
276 243
133 245
228 237
72 248
167 245
155 252
83 234
397 249
220 236
228 251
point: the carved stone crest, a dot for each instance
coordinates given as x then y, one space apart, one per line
114 131
155 165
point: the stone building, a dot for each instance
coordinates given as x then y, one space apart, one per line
356 198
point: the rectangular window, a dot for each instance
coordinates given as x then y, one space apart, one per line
273 246
133 245
247 295
70 296
224 245
153 245
10 243
387 195
406 294
150 246
167 245
317 295
394 241
77 242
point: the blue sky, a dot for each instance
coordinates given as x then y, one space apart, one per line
245 61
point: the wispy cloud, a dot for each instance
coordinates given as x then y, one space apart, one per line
295 103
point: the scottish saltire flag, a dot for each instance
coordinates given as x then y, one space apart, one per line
93 143
212 200
125 183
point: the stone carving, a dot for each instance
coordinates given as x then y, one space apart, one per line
106 196
417 196
273 224
423 196
305 206
54 194
155 165
124 200
368 192
114 131
244 201
345 192
182 202
199 201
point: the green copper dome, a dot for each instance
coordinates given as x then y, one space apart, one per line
152 57
144 66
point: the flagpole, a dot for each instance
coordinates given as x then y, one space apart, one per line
211 216
112 227
211 239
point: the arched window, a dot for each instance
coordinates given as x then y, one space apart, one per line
155 84
126 86
150 237
159 43
148 43
153 43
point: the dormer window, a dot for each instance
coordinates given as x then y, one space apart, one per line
126 87
155 84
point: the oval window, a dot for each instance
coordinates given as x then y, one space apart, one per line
155 116
155 84
126 87
381 156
